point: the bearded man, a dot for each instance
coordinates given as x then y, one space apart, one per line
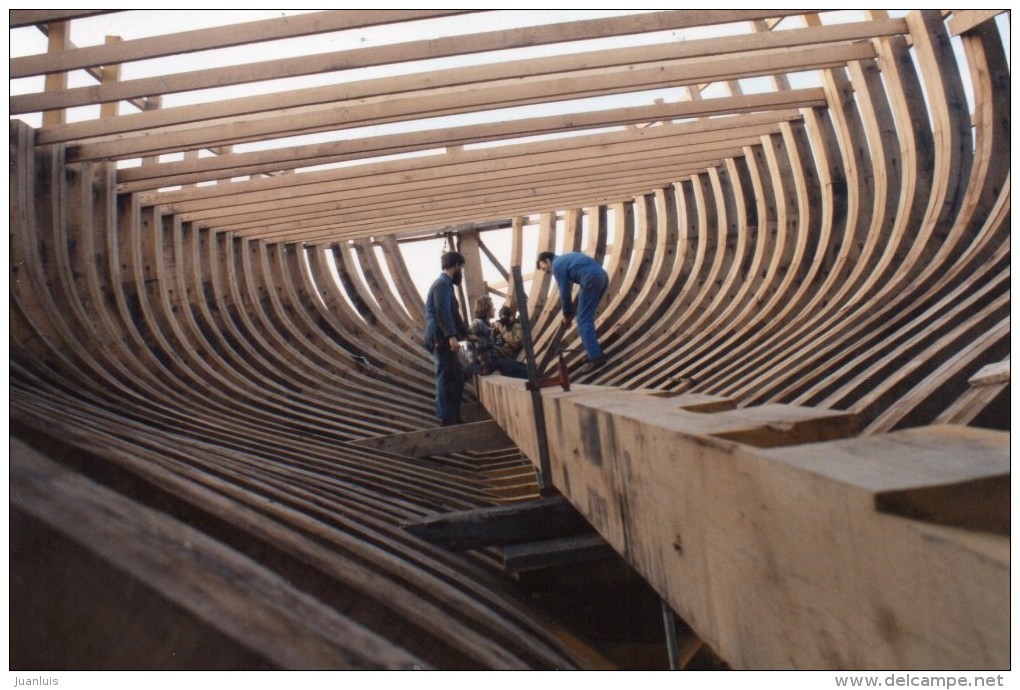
444 329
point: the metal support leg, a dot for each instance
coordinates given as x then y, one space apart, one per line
672 643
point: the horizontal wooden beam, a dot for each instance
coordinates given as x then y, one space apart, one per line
962 21
278 102
213 38
545 174
782 557
550 517
235 165
20 18
370 57
492 95
372 175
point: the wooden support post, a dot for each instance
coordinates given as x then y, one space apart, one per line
110 75
474 282
59 37
544 478
152 103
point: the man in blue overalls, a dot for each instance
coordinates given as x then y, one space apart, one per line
444 328
580 269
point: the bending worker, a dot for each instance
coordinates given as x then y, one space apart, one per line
444 328
583 270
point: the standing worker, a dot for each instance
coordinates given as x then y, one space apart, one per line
583 270
444 328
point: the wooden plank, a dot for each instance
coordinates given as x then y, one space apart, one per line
998 372
554 552
478 436
550 517
185 42
17 19
963 21
774 556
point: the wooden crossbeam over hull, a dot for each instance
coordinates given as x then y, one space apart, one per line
773 549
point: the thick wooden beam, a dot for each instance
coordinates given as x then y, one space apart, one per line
782 557
963 21
550 517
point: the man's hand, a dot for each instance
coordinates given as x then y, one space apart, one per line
454 344
567 320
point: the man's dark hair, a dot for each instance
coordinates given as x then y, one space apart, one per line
451 260
544 256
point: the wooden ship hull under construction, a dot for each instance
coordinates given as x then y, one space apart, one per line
224 451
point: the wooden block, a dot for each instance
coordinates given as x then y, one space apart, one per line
546 554
527 521
699 402
991 373
440 440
